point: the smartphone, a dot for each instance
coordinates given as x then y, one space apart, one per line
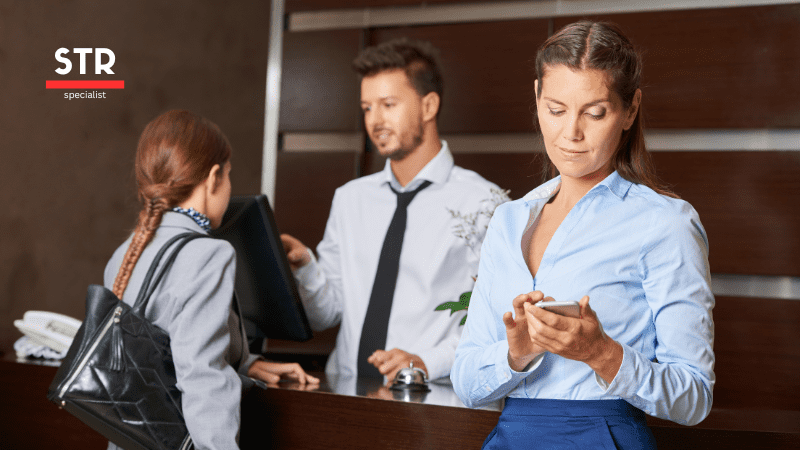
569 309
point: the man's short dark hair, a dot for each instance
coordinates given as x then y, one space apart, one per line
418 59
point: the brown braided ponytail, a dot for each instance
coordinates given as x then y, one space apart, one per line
176 152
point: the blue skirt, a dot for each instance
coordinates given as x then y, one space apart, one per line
570 424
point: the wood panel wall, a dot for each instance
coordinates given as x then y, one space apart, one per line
715 68
487 71
319 90
68 193
748 203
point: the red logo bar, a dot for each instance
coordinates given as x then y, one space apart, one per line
85 84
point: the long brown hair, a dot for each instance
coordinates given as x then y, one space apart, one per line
602 46
176 152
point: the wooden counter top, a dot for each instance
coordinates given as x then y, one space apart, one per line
358 414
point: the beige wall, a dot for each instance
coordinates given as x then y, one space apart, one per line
67 194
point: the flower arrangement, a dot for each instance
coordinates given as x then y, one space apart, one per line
471 227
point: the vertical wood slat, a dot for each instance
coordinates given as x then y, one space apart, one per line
319 89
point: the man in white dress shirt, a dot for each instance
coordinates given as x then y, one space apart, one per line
401 91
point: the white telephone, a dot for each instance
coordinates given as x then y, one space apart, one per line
50 329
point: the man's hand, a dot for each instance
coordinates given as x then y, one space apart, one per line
273 372
296 252
390 362
521 349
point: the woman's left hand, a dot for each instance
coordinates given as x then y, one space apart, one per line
272 372
580 339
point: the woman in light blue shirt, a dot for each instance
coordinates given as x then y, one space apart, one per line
603 232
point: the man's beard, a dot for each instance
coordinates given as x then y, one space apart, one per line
405 148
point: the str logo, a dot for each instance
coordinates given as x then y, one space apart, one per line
98 65
104 60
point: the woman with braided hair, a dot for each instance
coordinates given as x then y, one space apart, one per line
183 177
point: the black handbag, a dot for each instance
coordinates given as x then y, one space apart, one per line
118 376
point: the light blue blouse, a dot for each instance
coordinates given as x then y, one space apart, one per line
643 260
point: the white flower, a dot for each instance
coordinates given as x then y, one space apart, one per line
472 226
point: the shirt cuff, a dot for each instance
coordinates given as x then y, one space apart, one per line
245 366
436 361
625 377
531 365
306 273
504 371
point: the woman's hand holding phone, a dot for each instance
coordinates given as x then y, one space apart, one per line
521 349
579 339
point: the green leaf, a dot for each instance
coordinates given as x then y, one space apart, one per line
464 299
452 306
447 305
461 305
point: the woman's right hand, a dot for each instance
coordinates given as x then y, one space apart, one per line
521 349
272 373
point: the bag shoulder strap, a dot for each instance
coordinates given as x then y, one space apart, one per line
149 284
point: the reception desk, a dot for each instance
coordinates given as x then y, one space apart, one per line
342 413
350 413
365 414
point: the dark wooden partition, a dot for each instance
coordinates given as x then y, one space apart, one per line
758 359
704 68
717 68
487 71
319 90
69 194
748 203
517 172
708 68
304 189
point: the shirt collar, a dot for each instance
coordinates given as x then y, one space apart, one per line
436 171
614 183
178 220
546 190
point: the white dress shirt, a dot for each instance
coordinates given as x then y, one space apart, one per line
436 264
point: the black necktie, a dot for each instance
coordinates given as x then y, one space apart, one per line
376 322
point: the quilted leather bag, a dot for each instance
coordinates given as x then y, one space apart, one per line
118 376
